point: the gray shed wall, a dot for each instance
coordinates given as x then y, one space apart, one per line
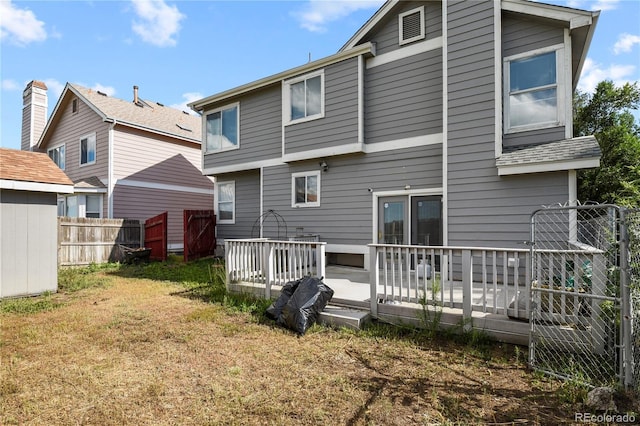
28 243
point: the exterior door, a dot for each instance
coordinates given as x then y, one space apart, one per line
393 223
426 221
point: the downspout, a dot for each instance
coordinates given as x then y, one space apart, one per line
445 127
111 183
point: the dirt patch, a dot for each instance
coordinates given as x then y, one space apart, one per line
139 352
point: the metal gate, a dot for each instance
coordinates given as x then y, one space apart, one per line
580 306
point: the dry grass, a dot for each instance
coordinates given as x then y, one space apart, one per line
136 351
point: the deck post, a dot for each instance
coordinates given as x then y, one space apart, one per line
267 256
321 260
467 280
373 280
227 264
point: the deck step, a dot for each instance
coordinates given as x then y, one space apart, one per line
338 316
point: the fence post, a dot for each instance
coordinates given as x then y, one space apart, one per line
598 288
373 280
467 280
627 341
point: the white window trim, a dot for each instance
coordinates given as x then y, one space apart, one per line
100 206
293 189
216 199
286 98
81 204
204 129
401 24
561 80
95 146
65 154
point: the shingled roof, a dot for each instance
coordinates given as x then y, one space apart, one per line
18 169
582 152
145 114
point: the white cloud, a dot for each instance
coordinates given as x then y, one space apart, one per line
593 73
20 26
318 13
593 5
625 43
159 22
10 85
108 90
187 97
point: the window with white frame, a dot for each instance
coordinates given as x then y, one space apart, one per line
87 206
226 202
305 189
411 25
304 98
533 90
57 155
222 131
88 149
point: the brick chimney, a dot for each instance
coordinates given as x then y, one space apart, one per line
34 114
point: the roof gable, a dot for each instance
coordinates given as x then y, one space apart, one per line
145 115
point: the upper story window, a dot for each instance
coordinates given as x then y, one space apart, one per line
304 98
305 189
533 91
88 149
226 202
57 155
74 105
222 132
411 25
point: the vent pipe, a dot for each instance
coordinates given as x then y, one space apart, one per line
135 94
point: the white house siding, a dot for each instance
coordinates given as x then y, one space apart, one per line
260 129
28 243
339 126
345 213
483 208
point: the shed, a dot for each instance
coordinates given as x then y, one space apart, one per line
29 184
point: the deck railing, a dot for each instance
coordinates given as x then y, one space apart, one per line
268 263
489 280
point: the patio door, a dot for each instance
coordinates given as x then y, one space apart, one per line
393 220
415 220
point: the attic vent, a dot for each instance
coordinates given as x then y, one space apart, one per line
186 112
186 129
160 104
101 93
411 25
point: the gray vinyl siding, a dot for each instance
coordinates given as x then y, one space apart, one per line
345 212
404 98
386 34
139 203
484 209
521 36
28 243
247 205
260 129
339 126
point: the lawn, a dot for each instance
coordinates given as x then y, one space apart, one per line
162 344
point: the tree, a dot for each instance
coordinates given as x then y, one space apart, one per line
607 115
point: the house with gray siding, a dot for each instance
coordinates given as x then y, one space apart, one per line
437 123
127 159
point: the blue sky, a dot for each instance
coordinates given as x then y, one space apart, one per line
180 51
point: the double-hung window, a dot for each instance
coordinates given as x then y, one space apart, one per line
226 202
88 149
304 98
57 155
222 131
305 189
533 91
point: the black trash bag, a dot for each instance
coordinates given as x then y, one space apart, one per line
303 307
275 310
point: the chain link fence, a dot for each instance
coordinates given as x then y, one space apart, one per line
576 303
632 226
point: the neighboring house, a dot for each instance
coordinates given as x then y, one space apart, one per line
438 123
127 159
29 184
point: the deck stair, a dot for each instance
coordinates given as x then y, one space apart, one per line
340 316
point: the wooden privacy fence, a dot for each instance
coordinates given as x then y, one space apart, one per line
199 234
155 236
83 241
